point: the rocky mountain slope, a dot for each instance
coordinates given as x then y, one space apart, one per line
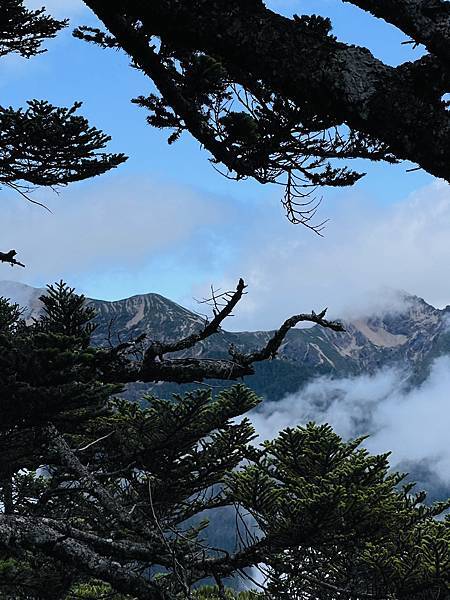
410 337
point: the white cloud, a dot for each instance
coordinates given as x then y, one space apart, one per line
413 424
367 252
118 223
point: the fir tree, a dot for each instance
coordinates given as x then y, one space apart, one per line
103 498
45 377
43 145
338 525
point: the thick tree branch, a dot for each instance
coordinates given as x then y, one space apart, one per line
119 549
191 370
273 345
18 533
228 564
301 63
427 22
181 370
144 56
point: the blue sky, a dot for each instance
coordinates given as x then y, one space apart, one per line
167 222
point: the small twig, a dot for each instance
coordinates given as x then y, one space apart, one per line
95 442
20 190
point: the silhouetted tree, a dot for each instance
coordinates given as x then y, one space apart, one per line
43 145
279 99
103 498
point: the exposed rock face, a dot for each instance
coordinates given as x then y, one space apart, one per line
158 317
407 337
411 337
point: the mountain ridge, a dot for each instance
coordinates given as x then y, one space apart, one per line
412 337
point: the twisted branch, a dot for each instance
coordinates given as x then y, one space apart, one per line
116 365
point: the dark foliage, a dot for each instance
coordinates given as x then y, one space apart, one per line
282 100
43 145
106 498
23 31
49 146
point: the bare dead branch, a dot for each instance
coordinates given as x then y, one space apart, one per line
158 349
24 191
116 366
217 300
100 439
273 345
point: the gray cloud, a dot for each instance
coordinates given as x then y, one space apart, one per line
414 424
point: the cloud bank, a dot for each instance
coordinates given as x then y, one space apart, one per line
413 424
369 251
117 224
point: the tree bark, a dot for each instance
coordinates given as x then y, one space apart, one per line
17 533
7 496
427 22
344 82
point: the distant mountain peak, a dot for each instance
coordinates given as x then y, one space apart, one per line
410 333
17 288
152 314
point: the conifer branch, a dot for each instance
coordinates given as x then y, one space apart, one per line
306 96
18 533
86 478
22 31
